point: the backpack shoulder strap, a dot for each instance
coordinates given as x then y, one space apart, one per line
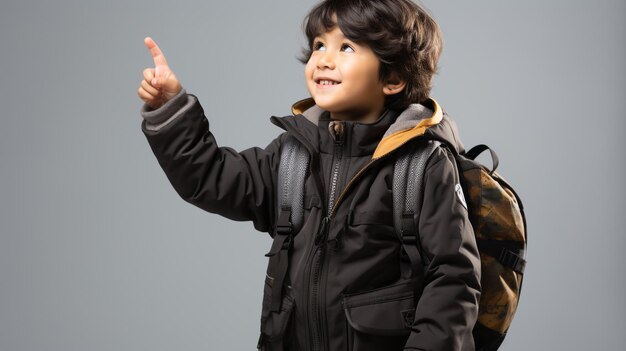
294 163
407 191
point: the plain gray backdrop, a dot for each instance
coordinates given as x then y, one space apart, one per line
98 252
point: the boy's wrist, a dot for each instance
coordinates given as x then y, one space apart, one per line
165 111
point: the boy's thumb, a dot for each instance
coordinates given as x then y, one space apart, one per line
154 82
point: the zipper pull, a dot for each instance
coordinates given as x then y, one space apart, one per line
323 233
336 130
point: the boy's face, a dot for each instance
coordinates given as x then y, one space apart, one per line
355 92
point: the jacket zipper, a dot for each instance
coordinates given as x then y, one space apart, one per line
317 297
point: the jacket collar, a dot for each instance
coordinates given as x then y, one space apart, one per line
390 131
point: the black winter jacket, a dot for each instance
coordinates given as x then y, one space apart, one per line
348 293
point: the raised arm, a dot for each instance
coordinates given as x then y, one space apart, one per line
237 185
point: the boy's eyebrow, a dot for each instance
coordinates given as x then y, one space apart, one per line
320 36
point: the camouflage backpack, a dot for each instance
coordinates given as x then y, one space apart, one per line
497 216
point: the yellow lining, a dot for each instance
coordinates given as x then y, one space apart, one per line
302 105
398 138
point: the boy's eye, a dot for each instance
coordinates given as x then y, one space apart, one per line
347 48
318 46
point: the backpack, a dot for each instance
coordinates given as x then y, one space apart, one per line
494 209
497 217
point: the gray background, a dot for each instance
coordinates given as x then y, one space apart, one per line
98 252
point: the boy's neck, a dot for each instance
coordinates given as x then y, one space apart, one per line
366 117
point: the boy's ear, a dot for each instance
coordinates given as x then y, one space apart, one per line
394 85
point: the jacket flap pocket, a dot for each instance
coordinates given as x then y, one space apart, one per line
374 216
274 324
384 311
312 200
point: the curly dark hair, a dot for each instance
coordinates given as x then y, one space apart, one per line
405 38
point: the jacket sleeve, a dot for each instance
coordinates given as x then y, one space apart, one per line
237 185
448 308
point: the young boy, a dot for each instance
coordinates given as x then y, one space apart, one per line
339 281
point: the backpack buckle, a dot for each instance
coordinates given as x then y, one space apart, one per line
283 229
283 237
511 259
409 239
283 225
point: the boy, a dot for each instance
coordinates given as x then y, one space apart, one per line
338 281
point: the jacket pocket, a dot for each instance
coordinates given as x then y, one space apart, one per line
274 325
379 319
379 216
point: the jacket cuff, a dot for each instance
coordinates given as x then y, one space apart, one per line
160 117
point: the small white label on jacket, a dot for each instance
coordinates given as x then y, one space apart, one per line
459 194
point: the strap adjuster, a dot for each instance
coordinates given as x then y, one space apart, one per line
283 229
409 239
510 259
283 237
283 225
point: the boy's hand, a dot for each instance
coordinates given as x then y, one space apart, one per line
160 83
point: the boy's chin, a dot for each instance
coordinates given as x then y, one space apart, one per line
324 105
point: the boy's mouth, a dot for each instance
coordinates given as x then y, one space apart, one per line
326 82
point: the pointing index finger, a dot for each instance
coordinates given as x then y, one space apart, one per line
155 51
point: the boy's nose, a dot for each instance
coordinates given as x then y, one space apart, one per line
326 61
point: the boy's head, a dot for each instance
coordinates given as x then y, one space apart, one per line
384 52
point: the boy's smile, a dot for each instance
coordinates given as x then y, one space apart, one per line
342 77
